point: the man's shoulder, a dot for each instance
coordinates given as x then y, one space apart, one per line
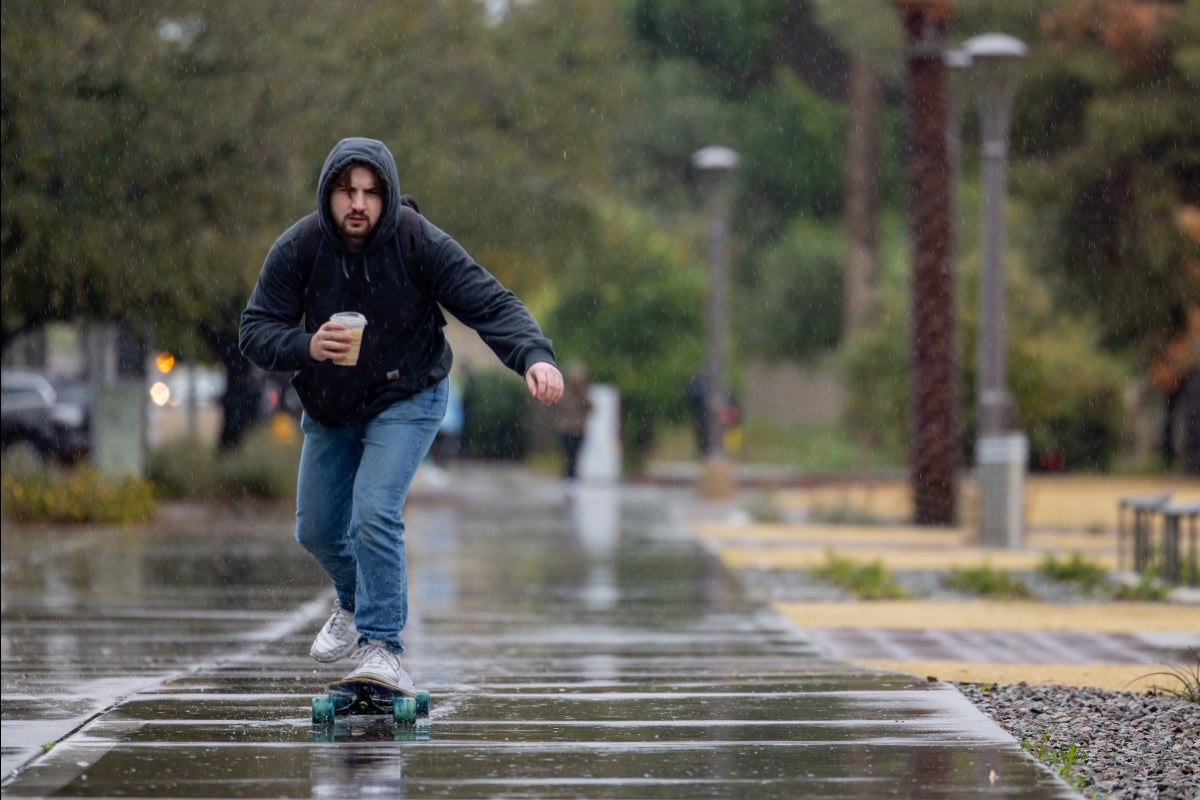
433 239
301 238
308 225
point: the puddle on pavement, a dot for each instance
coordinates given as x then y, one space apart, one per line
580 647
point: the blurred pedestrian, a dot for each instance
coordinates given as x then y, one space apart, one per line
729 416
373 397
571 417
696 394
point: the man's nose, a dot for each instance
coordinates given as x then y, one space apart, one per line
358 200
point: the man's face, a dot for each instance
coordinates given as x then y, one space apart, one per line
356 203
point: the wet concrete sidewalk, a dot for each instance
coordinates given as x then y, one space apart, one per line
575 646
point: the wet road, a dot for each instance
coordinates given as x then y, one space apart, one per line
574 647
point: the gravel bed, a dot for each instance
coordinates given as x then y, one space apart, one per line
1130 746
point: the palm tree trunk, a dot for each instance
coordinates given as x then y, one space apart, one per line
933 406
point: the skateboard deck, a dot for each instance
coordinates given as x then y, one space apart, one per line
368 698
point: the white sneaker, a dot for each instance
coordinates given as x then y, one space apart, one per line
377 663
337 638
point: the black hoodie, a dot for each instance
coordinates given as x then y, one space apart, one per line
403 348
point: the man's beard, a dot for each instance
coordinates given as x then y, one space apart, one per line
362 231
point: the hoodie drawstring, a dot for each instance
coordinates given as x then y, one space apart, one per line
366 269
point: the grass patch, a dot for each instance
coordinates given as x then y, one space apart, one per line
1086 574
810 449
1060 759
75 495
1148 589
1186 678
865 581
845 514
987 582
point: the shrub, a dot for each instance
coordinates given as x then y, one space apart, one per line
634 316
794 307
263 467
1078 570
1186 679
494 403
78 494
987 582
182 470
1148 589
1066 388
866 581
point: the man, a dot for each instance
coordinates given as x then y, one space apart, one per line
367 426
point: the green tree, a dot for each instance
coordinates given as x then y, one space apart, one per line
120 131
1124 94
133 165
632 311
152 153
742 43
1080 421
793 312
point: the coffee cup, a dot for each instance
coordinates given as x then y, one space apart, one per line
354 323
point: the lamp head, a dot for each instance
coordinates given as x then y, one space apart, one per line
715 159
995 46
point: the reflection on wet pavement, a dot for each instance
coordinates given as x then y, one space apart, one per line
575 645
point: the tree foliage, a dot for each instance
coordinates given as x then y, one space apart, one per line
631 311
1076 423
151 153
125 136
1124 83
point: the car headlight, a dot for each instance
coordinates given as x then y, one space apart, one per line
67 416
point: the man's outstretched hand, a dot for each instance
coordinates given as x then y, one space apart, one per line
545 383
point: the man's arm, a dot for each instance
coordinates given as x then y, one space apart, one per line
270 334
477 299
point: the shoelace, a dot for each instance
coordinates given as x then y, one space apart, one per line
341 621
377 657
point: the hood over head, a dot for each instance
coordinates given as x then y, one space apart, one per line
374 154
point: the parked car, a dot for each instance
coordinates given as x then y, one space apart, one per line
44 420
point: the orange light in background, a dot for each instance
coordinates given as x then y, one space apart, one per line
165 362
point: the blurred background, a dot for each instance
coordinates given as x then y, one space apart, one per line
153 151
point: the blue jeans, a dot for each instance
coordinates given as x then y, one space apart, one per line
350 502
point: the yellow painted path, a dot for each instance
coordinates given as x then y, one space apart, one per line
1065 516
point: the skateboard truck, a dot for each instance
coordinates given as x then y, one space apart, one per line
368 698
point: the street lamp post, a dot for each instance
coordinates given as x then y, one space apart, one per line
1001 453
716 170
958 63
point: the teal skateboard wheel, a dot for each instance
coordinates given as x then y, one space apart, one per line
422 703
322 710
404 710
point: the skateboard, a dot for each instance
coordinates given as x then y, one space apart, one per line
368 698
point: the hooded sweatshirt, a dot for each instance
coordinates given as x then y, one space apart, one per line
404 350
